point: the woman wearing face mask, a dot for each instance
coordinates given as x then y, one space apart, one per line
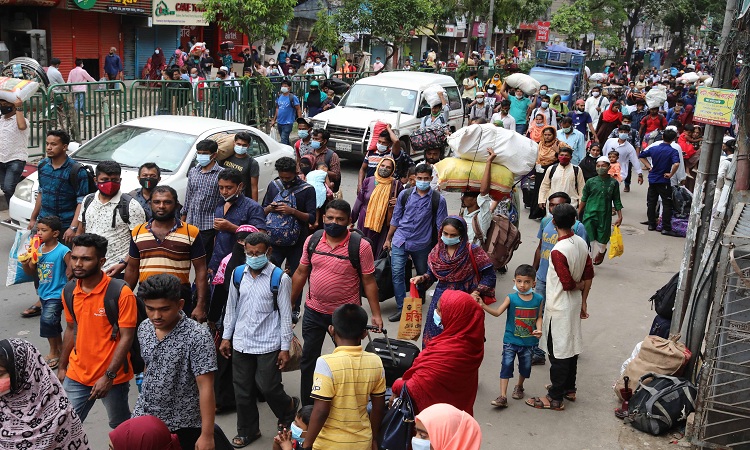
455 264
373 208
547 156
610 119
496 82
447 370
158 64
443 427
143 433
561 109
35 413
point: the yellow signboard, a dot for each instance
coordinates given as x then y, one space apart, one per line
715 106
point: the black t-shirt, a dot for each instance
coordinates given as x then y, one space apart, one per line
207 63
248 167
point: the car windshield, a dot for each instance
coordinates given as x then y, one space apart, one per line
132 146
380 98
557 83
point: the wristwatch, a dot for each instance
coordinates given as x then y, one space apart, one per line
110 375
74 228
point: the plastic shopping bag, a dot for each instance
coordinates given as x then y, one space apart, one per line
16 274
410 326
615 243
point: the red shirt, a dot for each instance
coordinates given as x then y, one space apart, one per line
687 148
654 123
560 264
334 281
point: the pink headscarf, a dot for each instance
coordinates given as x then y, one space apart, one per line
450 428
143 433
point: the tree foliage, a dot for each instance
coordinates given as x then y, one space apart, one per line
581 17
325 33
258 19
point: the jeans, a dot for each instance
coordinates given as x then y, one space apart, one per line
80 102
541 289
399 255
314 331
253 373
49 321
285 129
562 373
292 255
510 351
521 128
116 401
656 191
10 175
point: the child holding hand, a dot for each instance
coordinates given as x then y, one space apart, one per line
523 327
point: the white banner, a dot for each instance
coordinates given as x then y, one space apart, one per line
178 12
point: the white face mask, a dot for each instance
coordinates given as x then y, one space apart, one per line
595 94
156 52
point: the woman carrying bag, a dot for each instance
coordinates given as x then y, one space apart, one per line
373 208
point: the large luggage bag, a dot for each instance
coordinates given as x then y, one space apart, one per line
397 355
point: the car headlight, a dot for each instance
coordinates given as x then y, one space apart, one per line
24 190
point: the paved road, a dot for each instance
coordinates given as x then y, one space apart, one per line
620 317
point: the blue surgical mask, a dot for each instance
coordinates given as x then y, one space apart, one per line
623 136
297 433
240 150
542 91
203 160
450 240
529 292
423 185
567 130
315 144
545 104
256 262
420 444
438 321
303 134
382 148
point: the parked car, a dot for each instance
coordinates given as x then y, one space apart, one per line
169 141
392 97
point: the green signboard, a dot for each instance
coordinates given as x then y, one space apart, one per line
85 4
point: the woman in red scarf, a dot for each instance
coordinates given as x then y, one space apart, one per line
143 433
687 116
447 371
610 119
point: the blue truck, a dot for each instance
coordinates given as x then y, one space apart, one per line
563 70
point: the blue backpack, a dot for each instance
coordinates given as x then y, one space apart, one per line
284 230
239 272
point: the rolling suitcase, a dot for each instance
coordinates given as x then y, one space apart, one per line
397 355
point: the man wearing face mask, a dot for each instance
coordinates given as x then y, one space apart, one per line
503 118
149 175
325 155
538 98
562 177
14 135
582 120
236 210
596 104
575 140
111 214
202 194
303 146
479 109
519 107
245 164
550 117
388 145
287 111
628 156
418 214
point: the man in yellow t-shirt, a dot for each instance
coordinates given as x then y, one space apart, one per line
343 382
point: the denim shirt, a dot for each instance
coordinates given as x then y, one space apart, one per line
244 211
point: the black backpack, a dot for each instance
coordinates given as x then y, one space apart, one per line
657 406
663 300
123 206
112 309
554 167
355 240
75 169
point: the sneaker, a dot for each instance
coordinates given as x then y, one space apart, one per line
652 228
500 402
669 233
627 189
395 317
538 360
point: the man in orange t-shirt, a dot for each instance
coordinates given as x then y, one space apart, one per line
92 365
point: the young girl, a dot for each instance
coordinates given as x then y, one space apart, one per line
318 178
535 129
614 166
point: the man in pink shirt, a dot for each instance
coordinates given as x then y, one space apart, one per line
79 75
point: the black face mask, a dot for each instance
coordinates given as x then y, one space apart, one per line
148 183
288 184
6 109
334 230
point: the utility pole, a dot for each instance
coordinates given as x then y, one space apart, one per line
698 302
490 27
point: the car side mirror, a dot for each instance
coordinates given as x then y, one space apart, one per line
424 111
73 146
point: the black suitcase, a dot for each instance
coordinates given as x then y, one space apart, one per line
397 355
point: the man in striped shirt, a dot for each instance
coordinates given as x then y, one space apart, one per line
166 244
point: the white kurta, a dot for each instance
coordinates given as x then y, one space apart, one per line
562 309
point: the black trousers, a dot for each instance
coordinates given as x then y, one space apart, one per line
189 436
292 255
208 242
314 332
630 175
562 373
656 191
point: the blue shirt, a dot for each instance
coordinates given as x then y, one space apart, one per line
112 64
663 156
244 211
287 113
689 100
282 57
414 231
51 270
521 320
548 236
518 109
580 121
576 141
59 197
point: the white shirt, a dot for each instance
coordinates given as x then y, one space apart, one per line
627 155
99 221
13 142
509 123
550 118
591 104
483 215
377 66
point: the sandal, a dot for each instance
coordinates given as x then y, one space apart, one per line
536 402
32 311
244 441
500 402
599 258
518 392
568 395
53 363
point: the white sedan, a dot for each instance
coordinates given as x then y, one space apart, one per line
168 141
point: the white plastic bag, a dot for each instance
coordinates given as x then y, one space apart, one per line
10 88
274 133
656 97
16 274
598 77
514 151
431 94
688 78
523 82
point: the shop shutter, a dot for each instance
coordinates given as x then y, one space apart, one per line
144 45
129 60
168 38
61 37
85 29
109 36
151 38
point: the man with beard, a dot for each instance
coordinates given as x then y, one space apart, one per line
166 244
433 156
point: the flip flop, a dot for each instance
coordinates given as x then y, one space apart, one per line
32 311
244 441
53 363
